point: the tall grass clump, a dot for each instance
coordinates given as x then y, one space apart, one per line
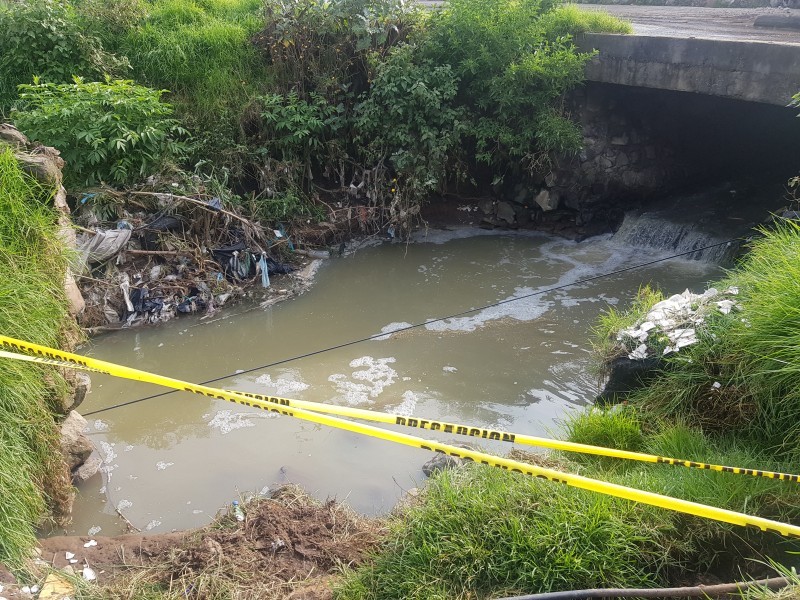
201 51
766 333
32 307
703 544
569 19
480 532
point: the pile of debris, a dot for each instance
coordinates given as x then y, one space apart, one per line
161 254
672 323
668 327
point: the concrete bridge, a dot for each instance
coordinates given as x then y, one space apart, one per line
742 54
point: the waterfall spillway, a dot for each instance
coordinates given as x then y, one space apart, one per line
710 225
653 230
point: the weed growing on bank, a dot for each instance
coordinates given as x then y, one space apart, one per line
32 307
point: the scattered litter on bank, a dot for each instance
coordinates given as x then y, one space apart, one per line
672 324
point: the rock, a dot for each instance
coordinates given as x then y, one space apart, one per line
83 385
12 136
486 206
626 376
74 297
88 469
547 200
75 446
56 587
505 212
440 462
43 167
621 140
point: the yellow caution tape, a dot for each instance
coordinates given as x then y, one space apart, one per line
89 364
52 356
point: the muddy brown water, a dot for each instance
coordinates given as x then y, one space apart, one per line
173 461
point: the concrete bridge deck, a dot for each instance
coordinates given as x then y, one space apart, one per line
731 24
713 51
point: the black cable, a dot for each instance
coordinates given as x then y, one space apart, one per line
414 326
700 591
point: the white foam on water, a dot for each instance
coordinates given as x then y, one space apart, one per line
227 420
407 406
449 369
123 504
282 386
377 376
152 525
161 465
100 425
391 328
107 450
521 309
94 530
440 236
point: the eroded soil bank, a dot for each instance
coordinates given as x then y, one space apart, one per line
288 546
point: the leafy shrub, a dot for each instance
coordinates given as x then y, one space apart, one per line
513 72
325 46
45 38
408 130
296 128
113 132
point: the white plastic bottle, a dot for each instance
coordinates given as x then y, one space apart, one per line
237 511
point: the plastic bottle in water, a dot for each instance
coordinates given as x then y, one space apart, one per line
237 511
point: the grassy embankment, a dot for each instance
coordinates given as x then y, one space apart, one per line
33 476
480 533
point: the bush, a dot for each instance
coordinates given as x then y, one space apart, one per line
113 132
513 71
408 126
45 38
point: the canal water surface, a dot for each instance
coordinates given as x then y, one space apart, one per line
524 365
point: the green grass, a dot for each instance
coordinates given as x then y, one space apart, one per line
201 52
32 307
571 19
703 543
482 533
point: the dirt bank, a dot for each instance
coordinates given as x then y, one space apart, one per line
288 546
